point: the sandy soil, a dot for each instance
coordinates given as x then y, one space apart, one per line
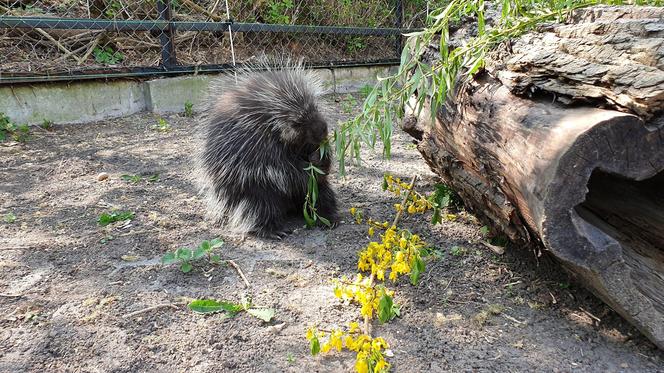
67 285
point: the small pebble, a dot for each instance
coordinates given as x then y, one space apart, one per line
102 176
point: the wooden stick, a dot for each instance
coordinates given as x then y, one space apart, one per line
57 43
91 49
237 268
403 202
163 305
199 8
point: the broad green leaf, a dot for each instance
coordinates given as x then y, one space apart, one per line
385 312
265 314
183 253
436 217
205 245
211 305
314 346
215 259
216 243
417 269
199 252
168 258
186 267
324 220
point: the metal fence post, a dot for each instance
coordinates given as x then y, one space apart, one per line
166 38
398 23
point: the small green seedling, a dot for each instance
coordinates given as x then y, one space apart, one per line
108 218
153 178
131 178
163 125
441 198
458 251
185 256
188 109
46 124
231 309
107 55
9 218
9 129
290 358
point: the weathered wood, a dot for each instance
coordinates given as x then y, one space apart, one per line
565 151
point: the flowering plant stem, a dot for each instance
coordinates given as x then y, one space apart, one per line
394 223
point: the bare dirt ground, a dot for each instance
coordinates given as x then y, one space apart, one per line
67 285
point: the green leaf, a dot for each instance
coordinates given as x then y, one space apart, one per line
168 258
265 314
307 219
211 306
436 217
314 346
183 253
215 259
216 243
9 218
385 311
484 230
205 246
186 267
199 253
106 219
324 220
153 178
417 269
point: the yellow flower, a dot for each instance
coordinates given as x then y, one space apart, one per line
337 292
361 365
325 347
378 344
398 207
403 243
310 333
353 210
380 366
354 326
371 231
412 209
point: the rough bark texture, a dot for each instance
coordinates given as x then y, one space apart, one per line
560 144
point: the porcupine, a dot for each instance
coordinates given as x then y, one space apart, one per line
259 132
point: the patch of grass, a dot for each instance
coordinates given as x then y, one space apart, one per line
131 178
162 125
108 218
290 358
491 310
9 218
188 109
46 124
9 129
185 256
458 251
348 104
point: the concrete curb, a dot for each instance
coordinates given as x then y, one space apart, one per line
89 101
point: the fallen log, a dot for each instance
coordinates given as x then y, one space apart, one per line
559 144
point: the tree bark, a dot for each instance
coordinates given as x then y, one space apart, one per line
559 144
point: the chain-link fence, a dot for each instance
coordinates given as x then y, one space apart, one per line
65 39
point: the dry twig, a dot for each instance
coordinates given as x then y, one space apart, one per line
237 268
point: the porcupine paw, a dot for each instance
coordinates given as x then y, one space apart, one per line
278 234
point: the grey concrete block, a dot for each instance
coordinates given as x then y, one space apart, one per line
71 103
169 95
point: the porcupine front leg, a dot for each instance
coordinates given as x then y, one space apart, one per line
269 211
327 202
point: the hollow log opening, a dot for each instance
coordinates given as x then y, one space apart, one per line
632 213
